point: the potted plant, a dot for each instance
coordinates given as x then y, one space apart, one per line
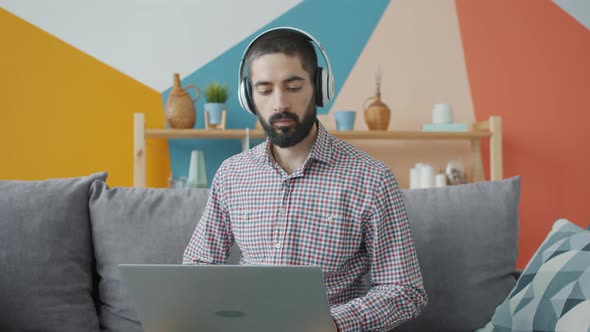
216 96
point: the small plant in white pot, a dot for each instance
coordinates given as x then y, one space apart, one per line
216 96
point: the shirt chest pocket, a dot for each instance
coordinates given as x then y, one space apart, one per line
327 240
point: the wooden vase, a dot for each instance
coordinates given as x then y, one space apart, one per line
377 114
180 110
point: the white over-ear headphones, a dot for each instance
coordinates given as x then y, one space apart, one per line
324 80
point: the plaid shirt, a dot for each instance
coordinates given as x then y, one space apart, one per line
342 210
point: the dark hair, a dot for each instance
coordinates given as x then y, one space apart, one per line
287 42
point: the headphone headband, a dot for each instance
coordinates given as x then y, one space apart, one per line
329 80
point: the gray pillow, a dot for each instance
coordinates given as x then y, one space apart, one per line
466 239
137 226
46 256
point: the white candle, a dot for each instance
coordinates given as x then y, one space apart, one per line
440 180
414 179
426 176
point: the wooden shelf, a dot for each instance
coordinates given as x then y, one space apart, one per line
491 128
354 134
201 133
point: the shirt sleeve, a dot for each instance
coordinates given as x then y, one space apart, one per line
212 238
397 293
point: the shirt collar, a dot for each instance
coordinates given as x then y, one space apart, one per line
321 149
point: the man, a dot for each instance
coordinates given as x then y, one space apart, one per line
304 197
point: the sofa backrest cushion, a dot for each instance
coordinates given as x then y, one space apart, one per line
137 226
46 256
466 239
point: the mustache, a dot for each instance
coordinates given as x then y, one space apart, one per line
283 116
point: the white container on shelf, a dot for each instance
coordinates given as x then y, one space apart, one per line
442 114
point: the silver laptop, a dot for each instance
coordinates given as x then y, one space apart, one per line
225 298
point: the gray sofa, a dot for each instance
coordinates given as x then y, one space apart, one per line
61 241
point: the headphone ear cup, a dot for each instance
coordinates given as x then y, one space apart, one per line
245 95
249 100
319 86
241 94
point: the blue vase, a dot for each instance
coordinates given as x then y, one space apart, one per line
345 120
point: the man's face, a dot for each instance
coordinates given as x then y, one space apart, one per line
283 95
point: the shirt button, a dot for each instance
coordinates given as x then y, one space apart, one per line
282 211
278 245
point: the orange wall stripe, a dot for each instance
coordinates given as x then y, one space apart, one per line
67 114
528 61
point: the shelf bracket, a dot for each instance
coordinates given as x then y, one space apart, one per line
139 161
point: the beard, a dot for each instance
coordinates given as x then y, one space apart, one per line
288 136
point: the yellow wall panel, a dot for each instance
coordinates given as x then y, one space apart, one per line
64 113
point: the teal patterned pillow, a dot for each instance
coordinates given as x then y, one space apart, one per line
553 293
